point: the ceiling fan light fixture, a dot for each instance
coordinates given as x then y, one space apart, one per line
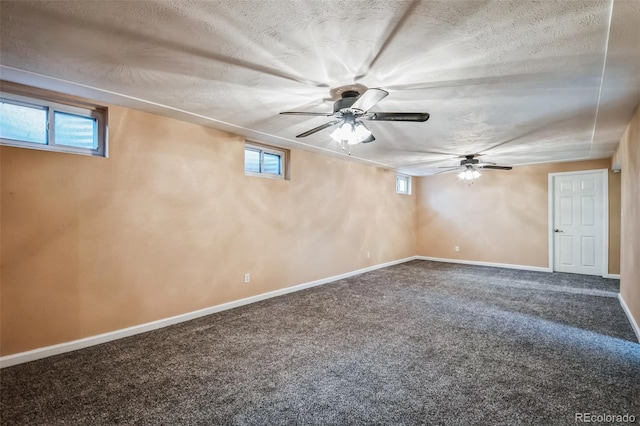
352 133
359 134
342 132
469 174
352 107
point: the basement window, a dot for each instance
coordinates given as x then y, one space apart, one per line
403 184
265 161
29 122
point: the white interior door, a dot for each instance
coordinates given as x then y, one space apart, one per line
578 229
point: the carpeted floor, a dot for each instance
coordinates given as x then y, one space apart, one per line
417 343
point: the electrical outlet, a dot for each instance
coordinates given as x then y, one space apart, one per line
247 278
368 254
457 248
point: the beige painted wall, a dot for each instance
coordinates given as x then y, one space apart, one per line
170 224
501 217
615 182
628 158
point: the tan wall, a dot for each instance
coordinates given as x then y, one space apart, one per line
615 207
501 217
170 224
628 158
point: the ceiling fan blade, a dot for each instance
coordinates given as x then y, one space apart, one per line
319 114
371 138
497 167
317 129
369 98
398 116
448 167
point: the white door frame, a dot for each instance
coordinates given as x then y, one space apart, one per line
605 217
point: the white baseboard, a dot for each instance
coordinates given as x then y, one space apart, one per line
32 355
632 320
612 276
495 265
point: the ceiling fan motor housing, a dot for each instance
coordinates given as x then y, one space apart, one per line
348 98
468 161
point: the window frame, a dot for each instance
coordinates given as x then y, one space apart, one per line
405 178
262 149
58 105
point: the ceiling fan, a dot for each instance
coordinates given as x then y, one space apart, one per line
469 166
349 112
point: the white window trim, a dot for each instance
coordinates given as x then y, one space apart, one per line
98 113
408 180
269 150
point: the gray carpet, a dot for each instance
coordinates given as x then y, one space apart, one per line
417 343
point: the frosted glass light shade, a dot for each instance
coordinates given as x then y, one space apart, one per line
342 132
469 174
352 133
360 133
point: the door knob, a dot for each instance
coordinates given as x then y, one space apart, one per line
557 230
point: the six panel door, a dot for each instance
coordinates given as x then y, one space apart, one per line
578 241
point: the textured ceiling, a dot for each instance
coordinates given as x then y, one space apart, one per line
522 81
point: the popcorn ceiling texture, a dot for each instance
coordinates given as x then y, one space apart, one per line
517 78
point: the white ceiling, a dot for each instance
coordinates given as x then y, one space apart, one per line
525 81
